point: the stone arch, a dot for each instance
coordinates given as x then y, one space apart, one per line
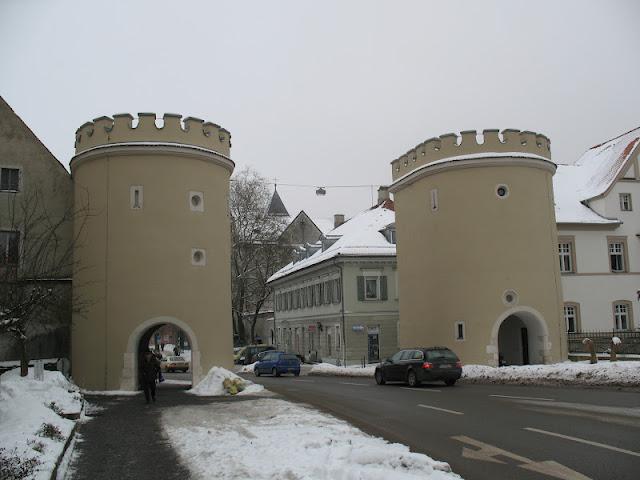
130 357
539 347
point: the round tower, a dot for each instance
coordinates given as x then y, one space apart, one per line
477 247
154 247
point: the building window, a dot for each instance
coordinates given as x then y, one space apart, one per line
622 317
617 255
372 287
196 201
9 247
198 257
625 202
338 342
136 197
434 200
460 333
10 179
392 236
337 297
502 191
328 341
572 317
566 255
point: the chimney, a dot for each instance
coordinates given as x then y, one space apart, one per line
338 219
383 194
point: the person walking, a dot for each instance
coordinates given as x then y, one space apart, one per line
149 369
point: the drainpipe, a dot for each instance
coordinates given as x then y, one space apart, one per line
344 330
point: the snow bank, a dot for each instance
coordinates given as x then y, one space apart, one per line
26 405
211 385
601 373
269 438
329 369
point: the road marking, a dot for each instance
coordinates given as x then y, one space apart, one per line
359 384
524 398
421 389
441 409
488 453
581 440
305 381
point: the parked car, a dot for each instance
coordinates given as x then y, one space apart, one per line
277 363
416 365
171 364
247 355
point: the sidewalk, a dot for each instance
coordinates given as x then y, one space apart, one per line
124 439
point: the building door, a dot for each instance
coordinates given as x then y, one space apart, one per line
373 344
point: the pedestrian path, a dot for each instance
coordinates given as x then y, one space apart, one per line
124 439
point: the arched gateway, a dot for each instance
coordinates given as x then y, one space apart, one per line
155 247
520 337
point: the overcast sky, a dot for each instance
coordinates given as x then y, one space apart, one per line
327 92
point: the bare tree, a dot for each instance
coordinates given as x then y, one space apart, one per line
255 251
36 263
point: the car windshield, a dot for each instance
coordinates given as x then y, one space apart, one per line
441 355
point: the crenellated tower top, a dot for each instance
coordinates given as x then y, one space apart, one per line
174 129
470 143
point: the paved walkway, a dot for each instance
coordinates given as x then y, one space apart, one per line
124 440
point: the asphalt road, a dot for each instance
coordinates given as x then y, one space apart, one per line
489 431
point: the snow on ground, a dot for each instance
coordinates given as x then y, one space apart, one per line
329 370
601 373
270 438
26 405
211 384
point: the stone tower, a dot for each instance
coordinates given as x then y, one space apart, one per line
477 247
155 248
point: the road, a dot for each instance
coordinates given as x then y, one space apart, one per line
489 431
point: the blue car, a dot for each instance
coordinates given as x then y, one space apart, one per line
277 363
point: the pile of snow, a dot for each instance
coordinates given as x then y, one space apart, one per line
269 438
31 425
328 369
212 384
601 373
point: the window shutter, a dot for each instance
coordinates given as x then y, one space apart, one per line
383 287
361 288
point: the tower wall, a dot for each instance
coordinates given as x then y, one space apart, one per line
135 261
458 260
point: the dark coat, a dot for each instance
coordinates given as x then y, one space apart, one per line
149 368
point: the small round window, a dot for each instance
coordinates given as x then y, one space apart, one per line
198 256
196 200
510 297
502 191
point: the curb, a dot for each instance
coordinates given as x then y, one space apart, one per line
54 472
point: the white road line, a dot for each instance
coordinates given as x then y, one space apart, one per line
422 389
581 440
305 381
441 409
359 384
525 398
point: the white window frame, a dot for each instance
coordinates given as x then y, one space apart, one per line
625 202
565 255
200 205
368 278
616 249
136 197
570 313
621 313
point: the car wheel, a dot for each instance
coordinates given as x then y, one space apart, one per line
256 372
379 377
450 382
412 379
274 372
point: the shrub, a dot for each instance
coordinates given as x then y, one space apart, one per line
55 408
48 430
13 467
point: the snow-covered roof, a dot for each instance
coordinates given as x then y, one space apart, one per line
359 236
591 176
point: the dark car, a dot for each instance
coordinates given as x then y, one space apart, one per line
277 363
416 365
247 355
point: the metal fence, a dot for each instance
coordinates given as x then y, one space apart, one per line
630 341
